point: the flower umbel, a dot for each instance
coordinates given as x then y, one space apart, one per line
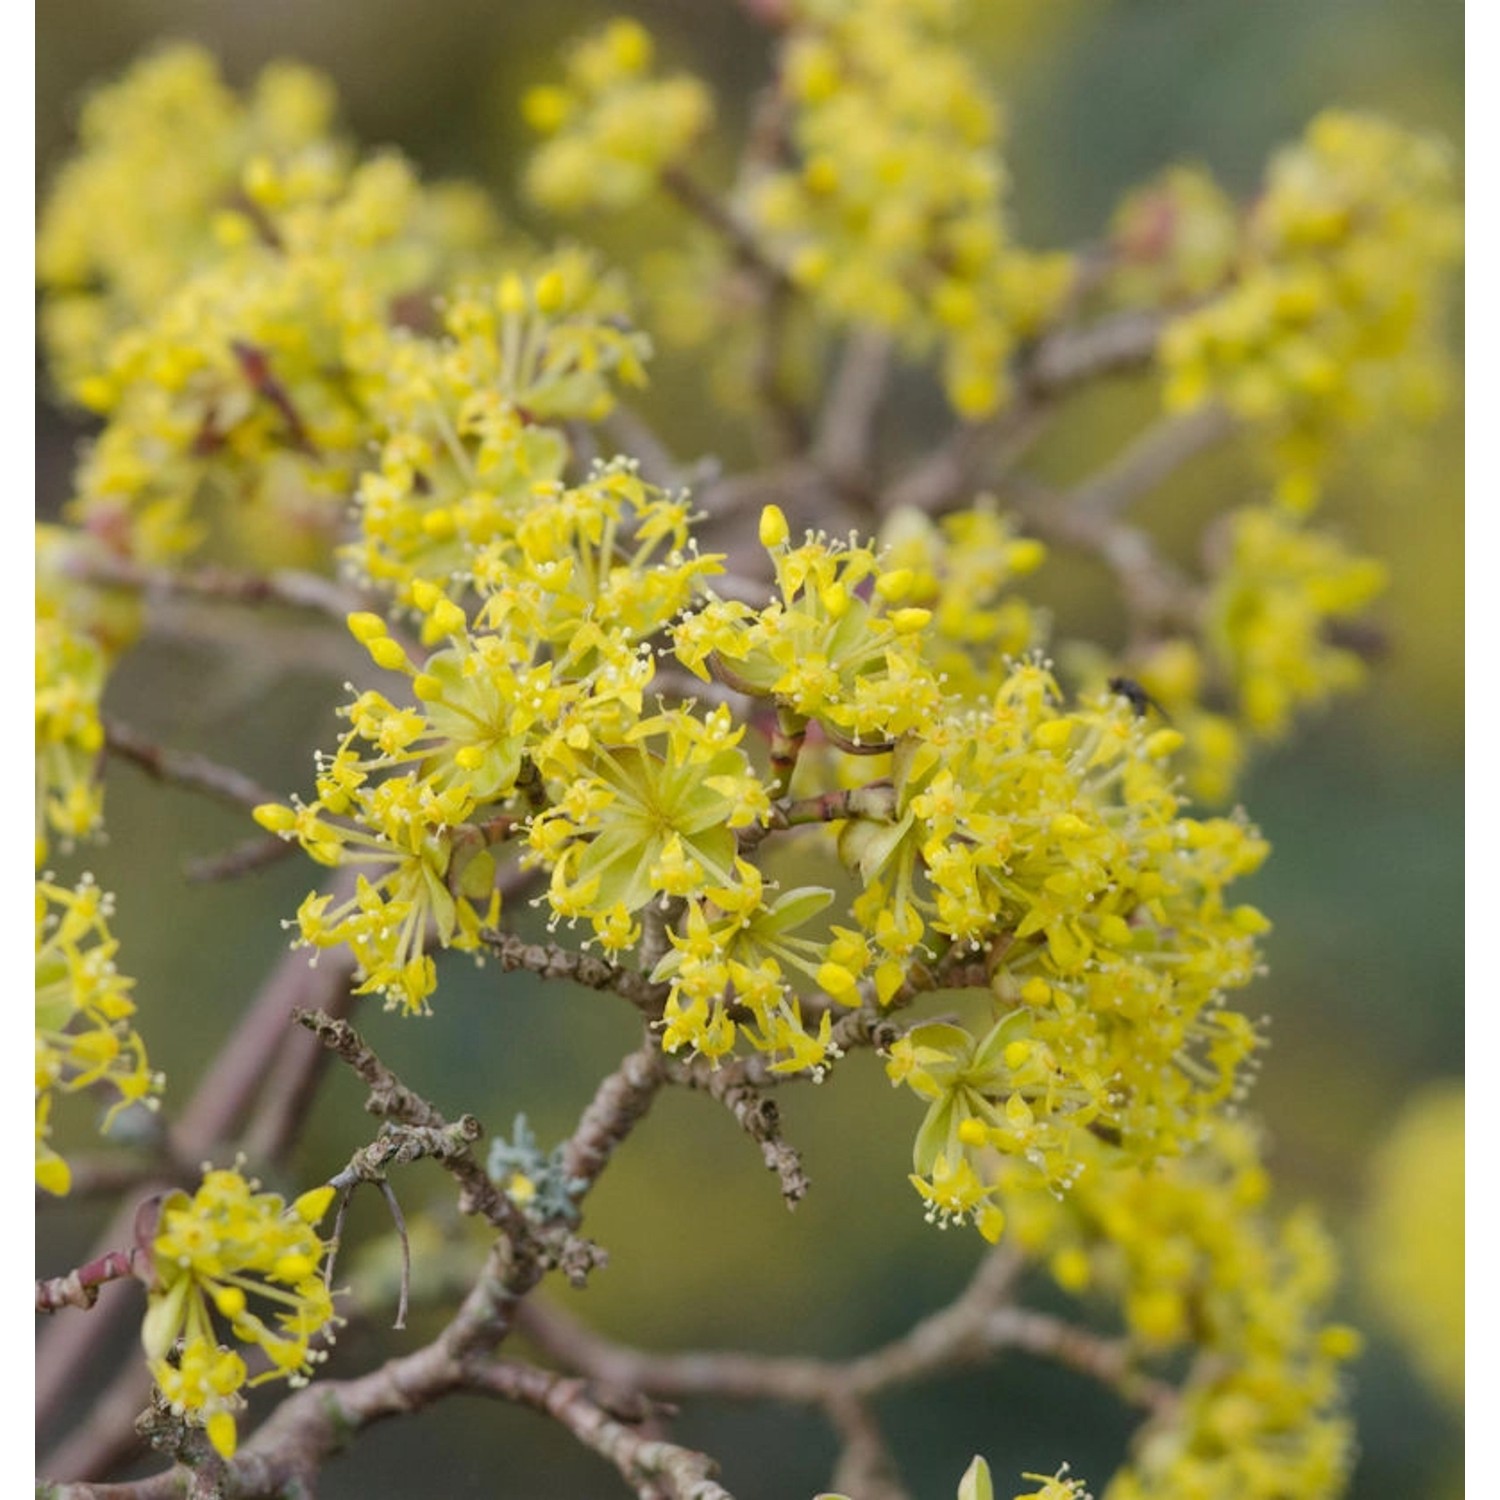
246 1256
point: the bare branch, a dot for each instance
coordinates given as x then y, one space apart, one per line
195 772
1152 459
755 1114
846 427
620 1101
1155 592
702 204
429 1133
641 1461
1053 366
299 590
242 859
552 961
80 1287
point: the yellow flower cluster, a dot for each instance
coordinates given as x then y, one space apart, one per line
1193 1258
894 214
1177 239
1057 837
1283 588
79 632
1270 645
1333 319
246 1256
1413 1235
240 335
129 218
70 672
472 423
83 1011
961 566
516 709
614 127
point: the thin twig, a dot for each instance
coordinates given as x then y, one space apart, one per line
1053 366
80 1286
846 427
179 768
755 1114
243 858
552 961
1150 460
700 202
299 590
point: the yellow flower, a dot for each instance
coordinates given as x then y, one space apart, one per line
243 1255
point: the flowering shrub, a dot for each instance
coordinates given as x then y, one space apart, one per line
775 794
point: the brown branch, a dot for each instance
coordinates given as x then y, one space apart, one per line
243 858
755 1114
285 1455
1155 592
178 768
641 1461
620 1101
1150 460
702 204
312 1425
80 1286
551 961
429 1131
308 591
845 441
1052 367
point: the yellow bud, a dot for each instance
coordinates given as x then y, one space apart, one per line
448 618
909 621
990 1222
1070 1270
629 46
551 292
773 528
512 295
1016 1054
972 1132
1054 734
387 653
222 1433
835 600
313 1204
365 627
895 585
839 983
230 1301
424 594
1036 991
1339 1341
1163 743
546 109
275 818
426 687
260 182
1026 555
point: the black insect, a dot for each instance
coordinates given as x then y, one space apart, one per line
1137 697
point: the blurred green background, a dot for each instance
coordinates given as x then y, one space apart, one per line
1364 811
